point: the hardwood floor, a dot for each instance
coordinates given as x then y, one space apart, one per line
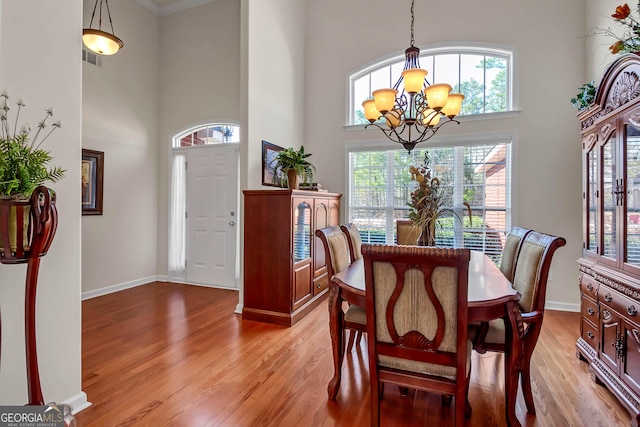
167 354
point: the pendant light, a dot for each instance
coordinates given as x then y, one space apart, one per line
99 41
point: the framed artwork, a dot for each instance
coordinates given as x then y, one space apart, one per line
269 176
92 179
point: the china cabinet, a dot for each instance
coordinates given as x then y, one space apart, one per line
610 264
285 273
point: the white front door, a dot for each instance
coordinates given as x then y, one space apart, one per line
212 217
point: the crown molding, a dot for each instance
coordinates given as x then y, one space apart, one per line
173 7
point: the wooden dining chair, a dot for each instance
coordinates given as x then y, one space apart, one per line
417 321
336 248
407 233
355 251
354 239
512 247
530 280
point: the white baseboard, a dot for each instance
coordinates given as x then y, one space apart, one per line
78 402
119 287
239 308
562 306
132 284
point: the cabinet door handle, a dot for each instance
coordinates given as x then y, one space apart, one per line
590 335
631 310
606 315
608 298
591 311
589 287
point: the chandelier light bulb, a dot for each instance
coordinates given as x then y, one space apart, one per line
453 106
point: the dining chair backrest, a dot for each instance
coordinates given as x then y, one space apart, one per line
354 239
416 305
336 249
532 269
407 233
512 246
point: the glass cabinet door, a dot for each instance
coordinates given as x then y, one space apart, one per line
301 230
609 182
591 190
632 180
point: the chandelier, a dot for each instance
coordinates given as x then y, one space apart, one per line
415 114
100 41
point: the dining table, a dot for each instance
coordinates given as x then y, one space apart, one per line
490 296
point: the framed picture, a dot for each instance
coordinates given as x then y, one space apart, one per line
92 178
269 176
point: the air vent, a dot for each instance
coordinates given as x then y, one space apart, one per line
90 57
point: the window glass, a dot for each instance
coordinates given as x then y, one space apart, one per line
212 134
380 187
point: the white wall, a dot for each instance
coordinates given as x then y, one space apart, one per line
276 76
199 83
40 62
120 118
546 194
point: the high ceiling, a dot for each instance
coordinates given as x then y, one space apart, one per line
165 7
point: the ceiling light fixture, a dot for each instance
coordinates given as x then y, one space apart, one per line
414 115
100 41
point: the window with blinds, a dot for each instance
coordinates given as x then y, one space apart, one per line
479 174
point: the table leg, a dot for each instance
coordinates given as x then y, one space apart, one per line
514 331
337 338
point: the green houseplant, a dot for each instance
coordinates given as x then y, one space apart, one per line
586 95
24 166
294 164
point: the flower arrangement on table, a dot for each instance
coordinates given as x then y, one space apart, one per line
429 202
23 163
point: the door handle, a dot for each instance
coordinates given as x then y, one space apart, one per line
231 223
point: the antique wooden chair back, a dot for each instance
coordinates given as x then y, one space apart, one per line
530 279
336 248
417 321
407 233
354 239
512 246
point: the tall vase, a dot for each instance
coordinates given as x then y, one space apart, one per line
292 176
427 237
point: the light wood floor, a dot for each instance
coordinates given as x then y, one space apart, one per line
167 354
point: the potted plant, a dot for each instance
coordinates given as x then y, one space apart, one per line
294 164
429 202
24 166
586 95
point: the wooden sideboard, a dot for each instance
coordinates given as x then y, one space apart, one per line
610 264
285 273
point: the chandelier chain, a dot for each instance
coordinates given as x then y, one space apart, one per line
412 39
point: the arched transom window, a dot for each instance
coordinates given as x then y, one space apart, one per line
483 75
210 134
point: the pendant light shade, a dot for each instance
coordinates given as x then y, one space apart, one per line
96 39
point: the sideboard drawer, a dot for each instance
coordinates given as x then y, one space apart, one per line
589 286
590 334
620 303
589 309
